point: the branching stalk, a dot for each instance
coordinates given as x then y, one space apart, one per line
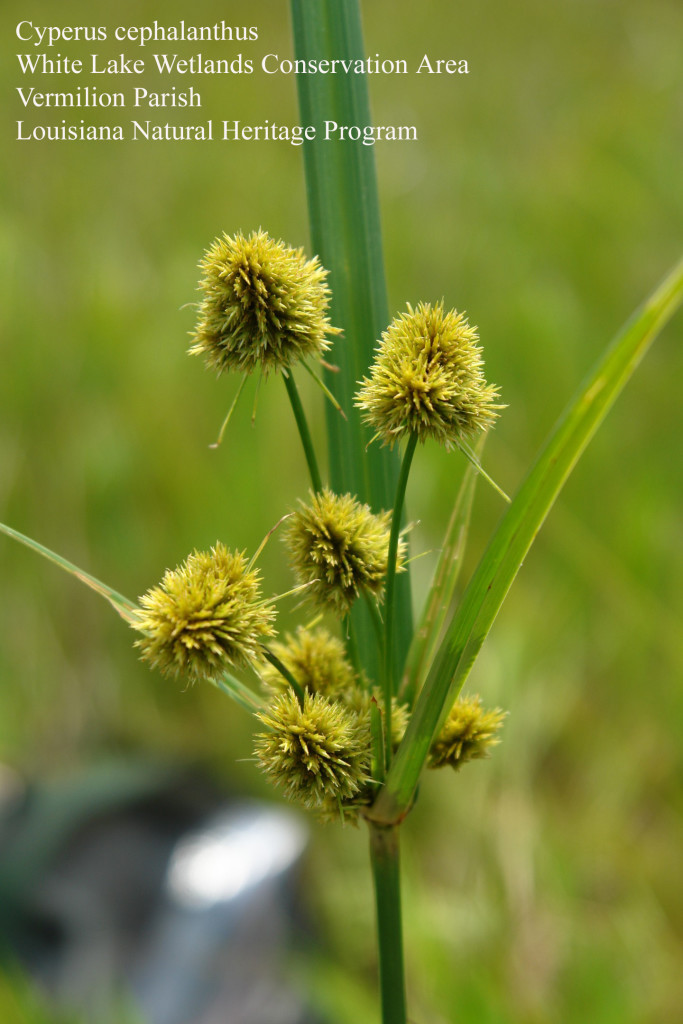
390 685
284 672
304 432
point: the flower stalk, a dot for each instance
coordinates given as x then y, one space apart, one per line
390 685
284 672
304 432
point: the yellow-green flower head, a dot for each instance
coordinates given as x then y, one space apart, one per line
264 305
316 659
205 616
427 379
340 547
319 754
469 733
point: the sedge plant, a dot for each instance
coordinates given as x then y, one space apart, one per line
350 708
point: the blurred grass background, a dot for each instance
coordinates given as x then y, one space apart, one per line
544 198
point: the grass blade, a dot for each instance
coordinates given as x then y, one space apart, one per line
119 603
513 538
345 233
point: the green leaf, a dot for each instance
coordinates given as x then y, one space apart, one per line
513 538
345 232
119 603
238 692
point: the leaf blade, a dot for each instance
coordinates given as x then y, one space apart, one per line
119 603
515 534
343 205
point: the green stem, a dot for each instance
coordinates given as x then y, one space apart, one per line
284 672
388 680
440 597
384 856
304 432
377 734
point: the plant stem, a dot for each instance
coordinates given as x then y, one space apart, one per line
304 432
384 855
388 680
284 672
440 597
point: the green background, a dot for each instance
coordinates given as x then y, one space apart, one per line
543 197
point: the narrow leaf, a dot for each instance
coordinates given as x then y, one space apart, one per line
513 538
345 232
119 603
240 693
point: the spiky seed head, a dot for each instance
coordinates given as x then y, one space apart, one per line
319 754
468 734
264 305
316 659
205 616
427 378
339 547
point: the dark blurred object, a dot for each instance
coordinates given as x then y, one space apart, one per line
145 880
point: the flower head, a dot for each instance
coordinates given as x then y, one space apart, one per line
469 733
204 616
427 379
340 547
319 753
264 305
316 659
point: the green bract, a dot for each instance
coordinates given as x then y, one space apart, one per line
264 305
205 616
427 379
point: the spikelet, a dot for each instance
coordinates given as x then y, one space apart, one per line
468 734
341 548
205 616
264 305
318 753
427 379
